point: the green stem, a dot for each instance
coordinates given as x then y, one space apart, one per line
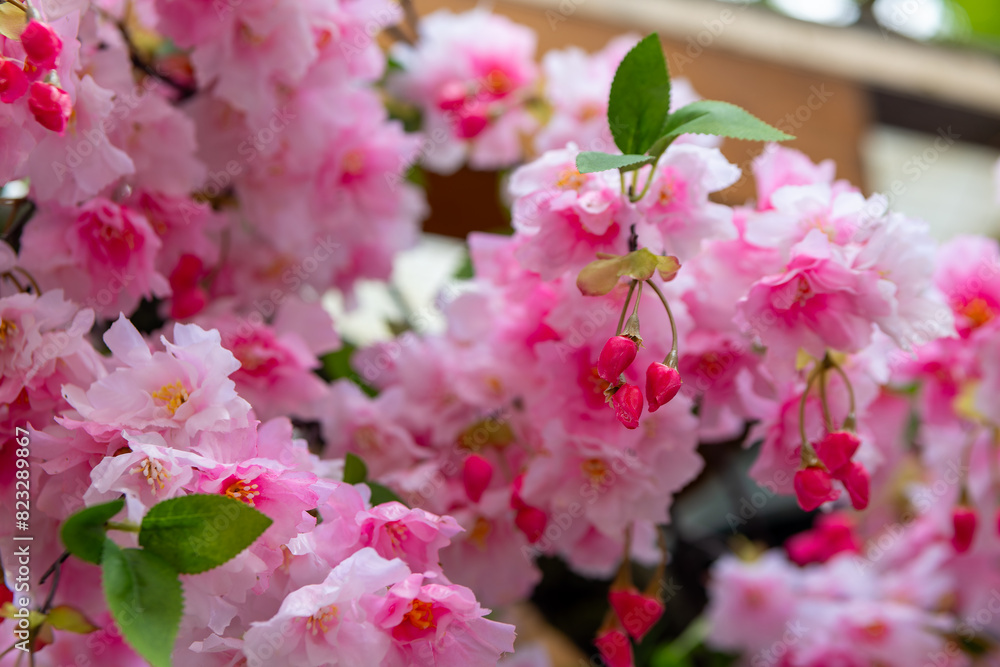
671 358
692 637
628 299
849 421
645 189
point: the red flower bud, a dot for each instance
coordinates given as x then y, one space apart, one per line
836 449
617 355
813 487
51 106
832 534
41 44
476 475
856 481
628 405
963 519
637 612
531 521
662 384
13 82
615 648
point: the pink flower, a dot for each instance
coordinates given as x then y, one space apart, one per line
615 648
102 252
616 355
416 536
41 44
813 487
13 81
628 405
183 392
836 449
531 521
662 384
778 166
963 520
331 620
50 106
439 624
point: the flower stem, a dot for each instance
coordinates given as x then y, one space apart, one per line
621 320
850 420
671 358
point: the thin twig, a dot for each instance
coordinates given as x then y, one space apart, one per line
621 320
671 359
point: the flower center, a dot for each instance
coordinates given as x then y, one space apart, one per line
497 82
6 328
978 312
153 471
354 162
243 491
368 438
421 615
571 178
322 619
596 470
398 533
480 532
173 396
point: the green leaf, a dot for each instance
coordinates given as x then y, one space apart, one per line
382 494
590 161
144 595
718 118
355 470
600 276
83 533
198 532
640 97
70 619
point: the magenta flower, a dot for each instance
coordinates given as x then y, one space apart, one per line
616 355
813 487
662 384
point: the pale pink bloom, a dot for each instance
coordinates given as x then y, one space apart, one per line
79 164
439 624
413 535
183 392
470 74
778 166
675 215
564 217
819 302
332 620
102 253
41 337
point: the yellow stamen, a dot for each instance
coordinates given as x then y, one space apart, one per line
174 395
571 178
244 491
421 615
322 619
596 470
6 328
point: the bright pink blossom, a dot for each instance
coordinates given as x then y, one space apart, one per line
615 648
13 81
963 520
628 405
662 384
476 475
813 487
616 355
41 44
636 612
50 106
836 449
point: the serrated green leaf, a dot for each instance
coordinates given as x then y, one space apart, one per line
199 532
591 161
144 596
83 533
639 102
382 494
355 470
717 118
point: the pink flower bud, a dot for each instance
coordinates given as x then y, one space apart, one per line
476 475
452 96
615 648
813 487
472 120
628 405
13 82
531 521
617 355
41 44
836 449
856 481
832 534
662 384
637 612
51 106
963 519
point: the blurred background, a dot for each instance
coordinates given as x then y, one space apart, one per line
904 95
